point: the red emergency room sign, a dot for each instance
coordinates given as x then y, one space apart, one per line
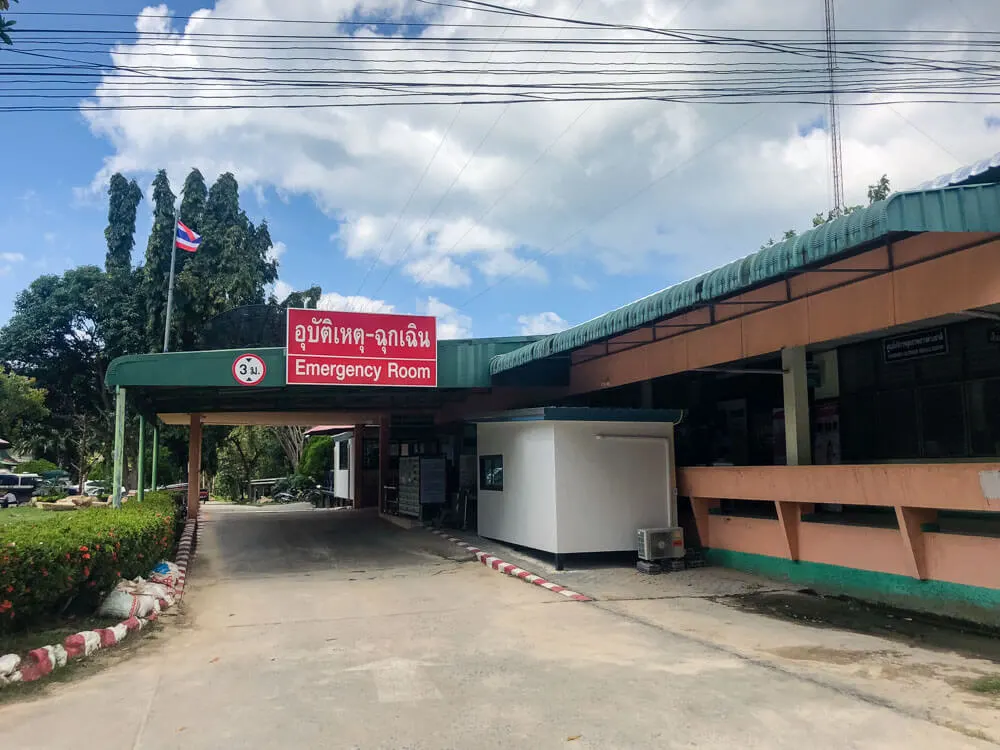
372 349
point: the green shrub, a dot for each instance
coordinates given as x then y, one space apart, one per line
36 466
316 458
80 555
295 484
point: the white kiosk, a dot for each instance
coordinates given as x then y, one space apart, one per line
570 480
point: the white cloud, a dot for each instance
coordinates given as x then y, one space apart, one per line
353 303
541 324
282 289
433 271
508 265
278 249
506 190
451 324
580 283
12 257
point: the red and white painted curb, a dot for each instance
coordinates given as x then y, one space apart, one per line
494 562
42 661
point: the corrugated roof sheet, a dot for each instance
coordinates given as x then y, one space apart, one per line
950 209
984 170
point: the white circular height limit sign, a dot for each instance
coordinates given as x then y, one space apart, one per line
249 369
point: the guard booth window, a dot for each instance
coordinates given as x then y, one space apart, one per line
344 455
491 473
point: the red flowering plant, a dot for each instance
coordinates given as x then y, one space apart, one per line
79 556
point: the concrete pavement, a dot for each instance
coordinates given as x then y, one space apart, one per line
332 629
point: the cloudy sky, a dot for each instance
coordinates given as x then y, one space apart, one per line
501 218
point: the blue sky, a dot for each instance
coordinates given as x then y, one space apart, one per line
520 219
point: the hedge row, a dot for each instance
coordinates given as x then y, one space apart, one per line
79 556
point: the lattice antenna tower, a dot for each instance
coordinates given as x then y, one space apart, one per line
836 154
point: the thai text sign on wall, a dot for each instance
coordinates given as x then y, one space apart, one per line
348 348
915 345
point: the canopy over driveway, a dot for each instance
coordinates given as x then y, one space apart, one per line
199 388
175 385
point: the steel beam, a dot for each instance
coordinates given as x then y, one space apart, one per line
119 450
141 467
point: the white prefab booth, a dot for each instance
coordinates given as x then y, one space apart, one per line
570 480
343 466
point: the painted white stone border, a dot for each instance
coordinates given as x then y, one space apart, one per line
44 660
494 562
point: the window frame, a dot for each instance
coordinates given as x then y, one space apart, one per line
490 464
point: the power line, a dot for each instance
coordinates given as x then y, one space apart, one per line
538 158
455 179
406 205
614 208
385 21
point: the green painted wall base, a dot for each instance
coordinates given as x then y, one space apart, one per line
938 597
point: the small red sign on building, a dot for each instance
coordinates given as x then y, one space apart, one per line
372 349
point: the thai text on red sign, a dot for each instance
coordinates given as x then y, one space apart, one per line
348 348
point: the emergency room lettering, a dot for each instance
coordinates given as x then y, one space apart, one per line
336 347
324 331
319 370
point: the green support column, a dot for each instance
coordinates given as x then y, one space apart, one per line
156 453
141 484
119 454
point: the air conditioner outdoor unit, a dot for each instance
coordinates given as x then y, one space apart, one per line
661 544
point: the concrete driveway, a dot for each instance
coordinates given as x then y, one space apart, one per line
333 629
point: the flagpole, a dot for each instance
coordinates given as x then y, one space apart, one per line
170 283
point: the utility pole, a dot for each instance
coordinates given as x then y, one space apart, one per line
836 154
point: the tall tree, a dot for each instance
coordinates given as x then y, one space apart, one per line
156 269
22 407
56 336
123 311
243 455
65 330
292 440
307 298
188 314
124 197
193 201
231 268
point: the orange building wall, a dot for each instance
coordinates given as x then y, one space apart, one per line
758 536
917 492
930 287
971 560
860 547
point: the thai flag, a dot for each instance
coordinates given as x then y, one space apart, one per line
187 239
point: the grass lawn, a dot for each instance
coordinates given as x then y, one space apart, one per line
11 516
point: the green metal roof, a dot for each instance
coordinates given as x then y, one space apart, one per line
203 382
953 209
462 363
